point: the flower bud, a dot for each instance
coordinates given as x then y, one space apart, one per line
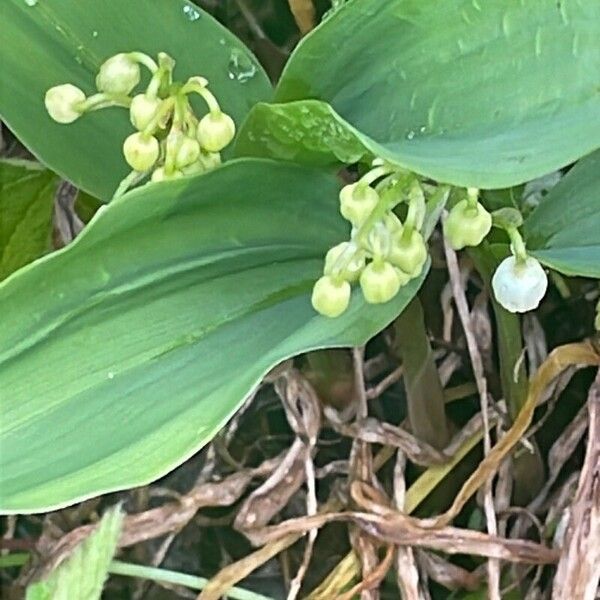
209 160
188 153
353 269
379 282
409 255
141 152
466 225
331 297
519 286
357 202
142 110
181 149
215 131
118 75
160 174
62 102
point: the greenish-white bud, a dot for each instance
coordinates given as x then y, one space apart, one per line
467 225
408 253
331 297
181 149
379 282
142 111
357 202
188 153
141 152
352 270
215 131
519 285
209 160
160 174
118 75
63 102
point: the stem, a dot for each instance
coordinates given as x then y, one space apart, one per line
196 88
518 245
118 567
17 559
129 181
102 100
424 392
145 60
165 576
416 212
376 173
528 469
164 109
473 198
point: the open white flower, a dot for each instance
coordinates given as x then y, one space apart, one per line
519 286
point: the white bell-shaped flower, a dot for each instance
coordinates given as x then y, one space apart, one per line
519 286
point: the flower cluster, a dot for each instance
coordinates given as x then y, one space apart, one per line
169 141
383 252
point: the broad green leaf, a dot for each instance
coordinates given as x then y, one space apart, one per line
26 201
83 574
563 232
48 42
124 353
486 93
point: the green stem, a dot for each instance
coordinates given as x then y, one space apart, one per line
528 469
102 100
424 392
416 212
145 60
374 174
118 567
518 245
17 559
473 198
128 182
164 109
165 576
196 88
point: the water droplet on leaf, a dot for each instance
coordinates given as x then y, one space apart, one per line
191 13
241 68
31 2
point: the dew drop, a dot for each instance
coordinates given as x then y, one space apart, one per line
410 135
240 68
111 375
94 34
31 2
191 13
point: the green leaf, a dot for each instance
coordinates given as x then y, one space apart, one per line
128 350
563 232
83 574
475 93
26 201
64 41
